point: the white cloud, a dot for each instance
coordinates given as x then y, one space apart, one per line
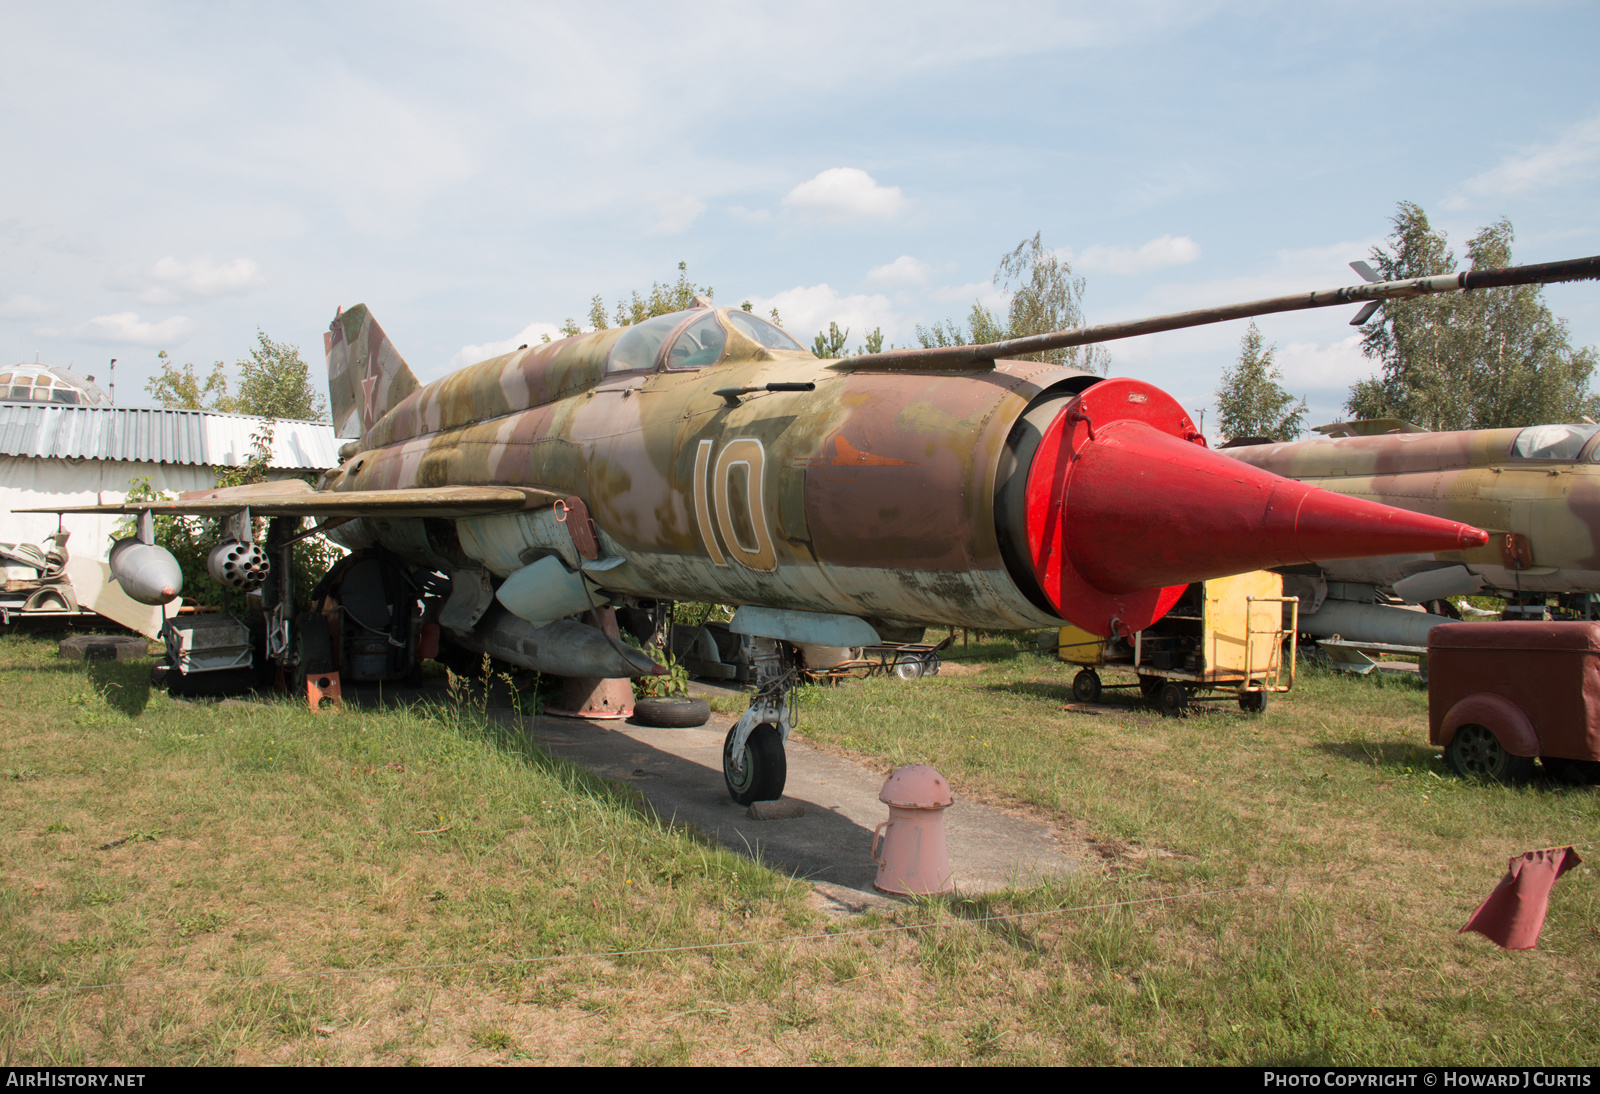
1574 156
1324 365
25 307
1163 184
126 326
171 279
842 192
1158 253
904 270
676 211
983 292
530 335
382 169
1293 270
807 310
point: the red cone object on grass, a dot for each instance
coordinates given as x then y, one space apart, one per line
1514 912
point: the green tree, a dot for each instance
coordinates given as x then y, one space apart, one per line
1478 360
1250 400
1045 297
831 344
663 299
275 382
181 389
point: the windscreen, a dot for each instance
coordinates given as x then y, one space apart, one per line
640 346
699 345
767 334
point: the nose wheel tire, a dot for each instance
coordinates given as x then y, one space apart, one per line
1086 686
764 771
1475 752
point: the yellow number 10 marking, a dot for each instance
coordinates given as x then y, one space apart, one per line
714 495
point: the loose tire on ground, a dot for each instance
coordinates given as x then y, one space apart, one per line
1475 753
671 713
1086 686
765 767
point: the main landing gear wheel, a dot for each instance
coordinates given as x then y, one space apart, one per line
765 769
1252 702
1475 752
1172 699
1086 686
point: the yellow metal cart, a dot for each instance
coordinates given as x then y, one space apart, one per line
1224 635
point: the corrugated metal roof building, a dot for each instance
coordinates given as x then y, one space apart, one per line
191 437
52 454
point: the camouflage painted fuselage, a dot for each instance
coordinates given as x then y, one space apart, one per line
873 495
1543 511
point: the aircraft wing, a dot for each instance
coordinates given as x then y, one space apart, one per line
292 497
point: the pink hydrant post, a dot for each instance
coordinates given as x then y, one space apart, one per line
914 858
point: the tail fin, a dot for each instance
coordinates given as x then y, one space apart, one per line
366 375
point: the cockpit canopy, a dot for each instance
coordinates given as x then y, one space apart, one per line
37 383
692 339
1553 442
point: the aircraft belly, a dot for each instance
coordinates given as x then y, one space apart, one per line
977 598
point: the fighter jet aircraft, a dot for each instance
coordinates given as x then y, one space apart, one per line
1536 490
706 455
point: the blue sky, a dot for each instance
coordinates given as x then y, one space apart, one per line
179 175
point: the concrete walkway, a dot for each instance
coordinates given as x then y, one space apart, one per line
679 772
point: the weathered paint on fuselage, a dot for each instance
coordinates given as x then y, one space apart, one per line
873 495
1470 476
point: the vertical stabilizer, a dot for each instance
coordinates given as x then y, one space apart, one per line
366 374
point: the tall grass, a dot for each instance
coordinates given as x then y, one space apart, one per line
251 882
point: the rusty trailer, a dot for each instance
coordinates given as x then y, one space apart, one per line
1227 637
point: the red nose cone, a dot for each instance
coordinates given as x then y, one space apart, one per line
1122 514
1207 518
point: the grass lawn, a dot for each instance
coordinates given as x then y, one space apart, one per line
238 883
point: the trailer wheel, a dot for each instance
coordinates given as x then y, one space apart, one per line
908 666
1252 702
1086 686
1172 699
1148 686
1475 752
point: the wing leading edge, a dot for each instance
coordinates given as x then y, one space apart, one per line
294 498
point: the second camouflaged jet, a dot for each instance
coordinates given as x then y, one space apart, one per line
1536 490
